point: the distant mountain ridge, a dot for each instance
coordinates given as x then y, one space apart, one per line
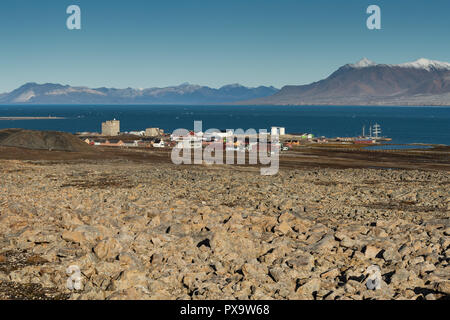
50 93
422 82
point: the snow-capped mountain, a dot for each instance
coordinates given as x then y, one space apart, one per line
363 63
33 93
422 82
426 64
421 63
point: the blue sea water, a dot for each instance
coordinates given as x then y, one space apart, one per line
402 124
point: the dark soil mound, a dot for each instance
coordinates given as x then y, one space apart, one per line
42 140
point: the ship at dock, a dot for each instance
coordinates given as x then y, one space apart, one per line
373 137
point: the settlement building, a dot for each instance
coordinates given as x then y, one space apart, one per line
111 128
216 135
154 132
137 133
280 131
158 144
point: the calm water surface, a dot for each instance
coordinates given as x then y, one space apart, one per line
402 124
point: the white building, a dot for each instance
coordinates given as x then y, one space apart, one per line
131 144
280 131
159 144
137 133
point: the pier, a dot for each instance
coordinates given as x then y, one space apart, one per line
31 118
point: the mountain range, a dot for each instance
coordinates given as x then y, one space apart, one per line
49 93
422 82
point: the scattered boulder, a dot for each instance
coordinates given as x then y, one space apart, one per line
219 233
73 236
371 252
108 249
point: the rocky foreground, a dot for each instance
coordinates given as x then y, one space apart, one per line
142 231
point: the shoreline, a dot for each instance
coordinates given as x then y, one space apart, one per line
31 118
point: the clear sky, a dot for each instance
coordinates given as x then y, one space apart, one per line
146 43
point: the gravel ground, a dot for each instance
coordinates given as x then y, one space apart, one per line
156 231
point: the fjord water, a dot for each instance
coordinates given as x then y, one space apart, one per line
402 124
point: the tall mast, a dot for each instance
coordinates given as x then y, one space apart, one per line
376 130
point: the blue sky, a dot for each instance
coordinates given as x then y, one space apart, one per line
145 43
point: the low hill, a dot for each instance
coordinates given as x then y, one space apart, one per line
42 140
